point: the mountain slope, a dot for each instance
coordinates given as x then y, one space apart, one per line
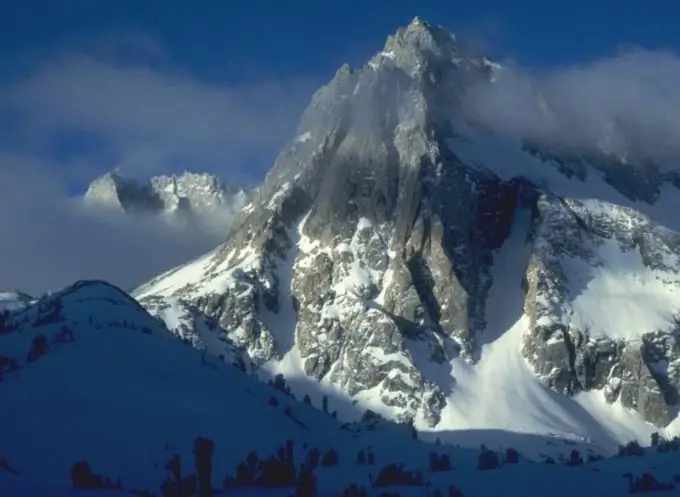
88 376
398 258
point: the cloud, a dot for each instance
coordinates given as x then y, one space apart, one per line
626 103
47 240
68 115
148 117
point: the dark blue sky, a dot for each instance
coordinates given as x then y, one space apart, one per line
218 85
219 39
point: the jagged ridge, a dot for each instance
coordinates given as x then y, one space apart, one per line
187 193
365 258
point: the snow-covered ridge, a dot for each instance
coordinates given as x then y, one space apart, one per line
115 402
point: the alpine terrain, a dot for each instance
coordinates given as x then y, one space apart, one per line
100 400
178 198
402 258
410 304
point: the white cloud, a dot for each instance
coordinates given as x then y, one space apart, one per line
47 240
149 117
72 114
628 102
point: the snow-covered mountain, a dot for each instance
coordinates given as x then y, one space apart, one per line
176 197
396 260
10 301
421 266
99 399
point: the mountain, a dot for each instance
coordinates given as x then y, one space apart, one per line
176 197
100 399
14 300
411 261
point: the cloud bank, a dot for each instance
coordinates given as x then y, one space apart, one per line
146 121
626 104
71 115
68 118
48 240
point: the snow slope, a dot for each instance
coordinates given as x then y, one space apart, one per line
111 387
644 300
507 158
122 388
499 393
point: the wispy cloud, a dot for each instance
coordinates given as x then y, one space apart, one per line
149 119
69 115
625 103
48 240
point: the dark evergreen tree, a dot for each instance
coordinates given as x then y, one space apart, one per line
306 483
204 449
511 456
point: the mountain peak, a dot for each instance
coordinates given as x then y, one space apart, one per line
423 36
196 192
392 234
420 24
113 190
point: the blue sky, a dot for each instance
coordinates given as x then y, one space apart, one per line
154 87
277 52
214 39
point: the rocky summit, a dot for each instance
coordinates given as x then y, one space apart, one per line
174 196
426 268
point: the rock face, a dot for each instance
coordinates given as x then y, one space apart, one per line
372 237
589 259
175 196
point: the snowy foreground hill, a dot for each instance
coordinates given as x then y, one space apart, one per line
97 395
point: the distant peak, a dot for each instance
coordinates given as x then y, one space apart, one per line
422 36
198 192
418 23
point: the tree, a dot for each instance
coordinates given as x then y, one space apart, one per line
306 484
487 459
353 490
632 448
4 317
330 458
204 448
575 458
412 429
38 348
439 463
511 456
82 477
